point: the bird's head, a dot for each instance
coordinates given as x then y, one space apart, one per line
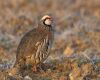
47 20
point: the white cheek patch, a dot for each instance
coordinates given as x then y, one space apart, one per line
48 22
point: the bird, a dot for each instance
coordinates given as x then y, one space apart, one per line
34 47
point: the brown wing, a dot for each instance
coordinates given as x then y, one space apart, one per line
28 43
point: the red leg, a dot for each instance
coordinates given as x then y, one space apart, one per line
34 68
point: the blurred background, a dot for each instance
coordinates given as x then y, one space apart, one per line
77 25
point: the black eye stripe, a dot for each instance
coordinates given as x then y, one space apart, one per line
46 19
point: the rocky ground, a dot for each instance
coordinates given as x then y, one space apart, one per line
75 54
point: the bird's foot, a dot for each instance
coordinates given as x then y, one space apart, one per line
41 69
37 69
34 68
